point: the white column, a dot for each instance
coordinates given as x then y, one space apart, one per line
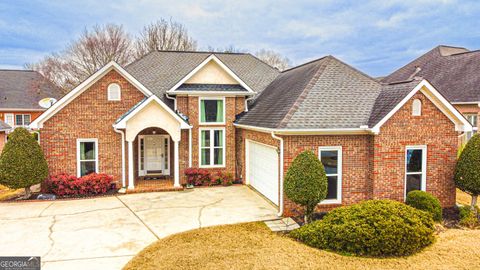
130 165
176 177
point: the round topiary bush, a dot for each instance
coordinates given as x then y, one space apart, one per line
426 202
371 228
22 163
306 182
467 171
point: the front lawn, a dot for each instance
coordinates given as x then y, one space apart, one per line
254 246
464 198
6 193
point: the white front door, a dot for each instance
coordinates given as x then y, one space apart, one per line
154 156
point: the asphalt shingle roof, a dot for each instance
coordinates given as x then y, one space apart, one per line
453 71
325 93
4 126
159 71
23 89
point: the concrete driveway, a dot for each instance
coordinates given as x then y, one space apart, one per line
105 233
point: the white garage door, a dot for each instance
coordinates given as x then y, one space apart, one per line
262 169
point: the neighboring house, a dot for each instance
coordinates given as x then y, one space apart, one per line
454 71
232 113
20 93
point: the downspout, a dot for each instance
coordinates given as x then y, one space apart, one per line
246 102
190 148
123 156
280 211
174 101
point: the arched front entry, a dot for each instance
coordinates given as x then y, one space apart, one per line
152 126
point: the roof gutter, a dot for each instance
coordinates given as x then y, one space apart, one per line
280 203
313 131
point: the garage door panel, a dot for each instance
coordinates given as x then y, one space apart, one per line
263 170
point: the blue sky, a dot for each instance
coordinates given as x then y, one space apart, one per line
374 36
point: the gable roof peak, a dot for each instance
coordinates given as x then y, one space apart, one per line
446 50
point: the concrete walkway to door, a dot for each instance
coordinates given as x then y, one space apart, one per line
105 233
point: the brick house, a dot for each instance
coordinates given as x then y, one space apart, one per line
453 71
20 93
230 112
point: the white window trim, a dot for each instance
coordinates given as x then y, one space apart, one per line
109 97
23 120
424 167
339 172
200 111
211 147
95 140
12 124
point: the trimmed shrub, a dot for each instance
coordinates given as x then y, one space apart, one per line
306 183
69 185
371 228
467 171
426 202
468 218
197 177
22 163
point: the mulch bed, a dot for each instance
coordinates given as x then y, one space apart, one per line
34 195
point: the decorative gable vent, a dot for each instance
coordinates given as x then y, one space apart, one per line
417 107
114 92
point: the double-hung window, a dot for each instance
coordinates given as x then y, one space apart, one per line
22 120
212 111
331 158
87 156
212 147
473 119
416 168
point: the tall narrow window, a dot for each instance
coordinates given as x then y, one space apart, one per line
473 119
9 119
212 150
114 92
212 111
87 156
415 163
331 158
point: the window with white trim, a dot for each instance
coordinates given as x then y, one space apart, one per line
415 168
114 92
87 156
9 119
22 120
417 107
212 147
473 119
331 158
212 110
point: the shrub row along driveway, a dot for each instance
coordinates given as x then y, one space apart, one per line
104 233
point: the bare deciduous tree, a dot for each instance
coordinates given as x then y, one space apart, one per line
164 35
273 58
85 56
228 49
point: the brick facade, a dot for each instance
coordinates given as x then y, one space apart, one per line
3 135
432 129
90 115
189 106
373 166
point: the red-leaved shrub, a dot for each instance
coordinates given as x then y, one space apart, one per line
202 177
69 185
197 177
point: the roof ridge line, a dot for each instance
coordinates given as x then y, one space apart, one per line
209 52
306 63
304 93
